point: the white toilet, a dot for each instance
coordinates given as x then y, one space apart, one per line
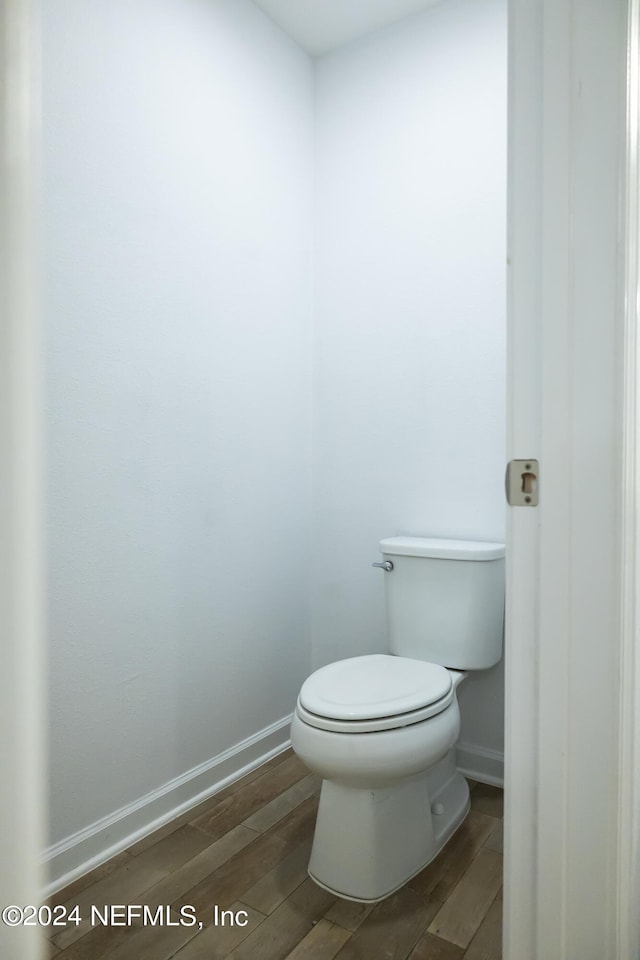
381 730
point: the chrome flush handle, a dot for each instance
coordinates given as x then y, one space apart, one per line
386 565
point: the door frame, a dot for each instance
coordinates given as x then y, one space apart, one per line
628 840
572 744
22 753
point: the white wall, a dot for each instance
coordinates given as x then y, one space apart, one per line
410 333
177 257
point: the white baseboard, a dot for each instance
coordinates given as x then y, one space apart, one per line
76 855
487 766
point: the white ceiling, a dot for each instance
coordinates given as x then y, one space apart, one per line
322 25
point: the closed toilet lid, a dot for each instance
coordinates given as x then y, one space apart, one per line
378 685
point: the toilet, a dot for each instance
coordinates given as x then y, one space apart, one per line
380 730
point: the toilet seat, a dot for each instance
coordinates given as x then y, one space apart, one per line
376 692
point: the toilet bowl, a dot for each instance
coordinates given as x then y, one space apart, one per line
380 731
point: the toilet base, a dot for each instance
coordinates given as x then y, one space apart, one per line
368 843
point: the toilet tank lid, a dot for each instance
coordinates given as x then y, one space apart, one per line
442 549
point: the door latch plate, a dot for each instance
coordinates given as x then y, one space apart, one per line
521 483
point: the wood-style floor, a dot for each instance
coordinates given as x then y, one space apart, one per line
246 849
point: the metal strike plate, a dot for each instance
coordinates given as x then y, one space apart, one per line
521 483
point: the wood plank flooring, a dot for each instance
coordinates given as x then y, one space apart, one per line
246 850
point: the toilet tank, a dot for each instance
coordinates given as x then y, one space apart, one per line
445 600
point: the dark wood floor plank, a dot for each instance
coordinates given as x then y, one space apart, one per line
151 943
95 944
207 806
488 799
298 825
168 828
429 947
495 840
321 943
392 928
276 885
459 918
280 806
76 887
203 865
487 943
217 942
234 809
438 879
130 880
280 932
349 914
238 785
99 941
230 881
